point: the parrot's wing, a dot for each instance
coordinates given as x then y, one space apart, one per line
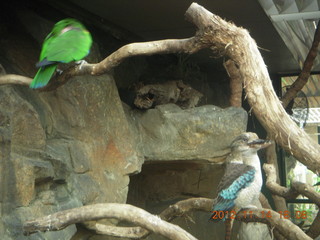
72 45
236 177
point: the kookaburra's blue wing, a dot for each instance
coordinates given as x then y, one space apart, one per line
237 177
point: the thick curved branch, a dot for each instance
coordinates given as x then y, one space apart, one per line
306 70
14 79
173 211
237 44
150 223
314 230
236 84
188 45
296 189
60 220
273 219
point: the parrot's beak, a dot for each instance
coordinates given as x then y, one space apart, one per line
259 143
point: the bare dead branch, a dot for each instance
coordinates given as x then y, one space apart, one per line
150 223
273 232
296 189
121 232
237 44
264 201
271 156
306 70
273 219
14 79
236 83
173 211
314 230
307 191
188 45
274 187
60 220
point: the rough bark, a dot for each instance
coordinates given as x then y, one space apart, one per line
271 156
236 83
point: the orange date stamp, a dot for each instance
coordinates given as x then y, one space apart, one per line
219 215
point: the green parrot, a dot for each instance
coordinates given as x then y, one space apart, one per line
68 41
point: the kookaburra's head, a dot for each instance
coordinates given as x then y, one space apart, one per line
248 142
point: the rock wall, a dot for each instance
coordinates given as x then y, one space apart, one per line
77 146
62 149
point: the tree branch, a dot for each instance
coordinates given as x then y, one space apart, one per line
296 189
150 222
173 211
273 219
306 70
188 45
14 79
314 230
237 44
60 220
236 83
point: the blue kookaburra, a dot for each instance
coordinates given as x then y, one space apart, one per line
241 184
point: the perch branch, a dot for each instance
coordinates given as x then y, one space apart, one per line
60 220
264 201
271 156
294 191
314 230
14 79
306 70
173 211
150 223
189 45
273 219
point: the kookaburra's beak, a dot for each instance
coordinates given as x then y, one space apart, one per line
259 143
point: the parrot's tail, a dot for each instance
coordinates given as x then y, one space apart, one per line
43 76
